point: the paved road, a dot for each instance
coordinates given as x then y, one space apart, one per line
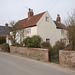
15 65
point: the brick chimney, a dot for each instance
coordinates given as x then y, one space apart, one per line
6 24
58 18
30 13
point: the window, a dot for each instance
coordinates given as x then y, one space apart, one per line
29 31
47 40
47 18
62 32
62 40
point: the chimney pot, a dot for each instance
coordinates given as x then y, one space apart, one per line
30 13
6 24
58 18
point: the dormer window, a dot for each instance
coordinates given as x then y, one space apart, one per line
47 18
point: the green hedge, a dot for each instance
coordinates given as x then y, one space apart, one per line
2 39
5 47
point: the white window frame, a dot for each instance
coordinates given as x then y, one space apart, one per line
62 32
47 40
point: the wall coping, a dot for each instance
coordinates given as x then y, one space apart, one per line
40 49
66 51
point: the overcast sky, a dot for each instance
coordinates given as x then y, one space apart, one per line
16 9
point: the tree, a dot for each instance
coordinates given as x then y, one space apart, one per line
17 33
71 30
13 31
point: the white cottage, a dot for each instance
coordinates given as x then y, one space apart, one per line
40 24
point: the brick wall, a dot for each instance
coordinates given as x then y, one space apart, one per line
33 53
67 57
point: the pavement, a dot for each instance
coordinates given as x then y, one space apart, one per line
16 65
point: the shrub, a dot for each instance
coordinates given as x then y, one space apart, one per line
59 45
5 47
2 39
27 41
36 41
46 45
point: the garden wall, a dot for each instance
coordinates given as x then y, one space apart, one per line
67 57
33 53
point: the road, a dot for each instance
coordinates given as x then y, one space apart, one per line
15 65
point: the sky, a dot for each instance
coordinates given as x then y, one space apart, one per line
14 10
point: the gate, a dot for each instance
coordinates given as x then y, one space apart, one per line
53 56
49 55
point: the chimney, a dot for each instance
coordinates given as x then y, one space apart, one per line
6 24
58 18
30 13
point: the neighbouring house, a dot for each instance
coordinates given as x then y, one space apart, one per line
40 24
5 31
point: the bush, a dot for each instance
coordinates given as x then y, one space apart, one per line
46 45
27 41
36 41
59 45
5 47
2 39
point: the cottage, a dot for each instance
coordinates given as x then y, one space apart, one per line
40 24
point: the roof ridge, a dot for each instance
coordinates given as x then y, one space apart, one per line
33 16
38 14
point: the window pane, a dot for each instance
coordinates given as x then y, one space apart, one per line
47 40
28 31
47 18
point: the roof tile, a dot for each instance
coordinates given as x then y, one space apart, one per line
29 22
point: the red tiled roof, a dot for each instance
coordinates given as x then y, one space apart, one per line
29 22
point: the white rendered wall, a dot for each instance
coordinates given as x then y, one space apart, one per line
47 29
33 31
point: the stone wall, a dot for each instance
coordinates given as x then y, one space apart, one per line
32 53
67 57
